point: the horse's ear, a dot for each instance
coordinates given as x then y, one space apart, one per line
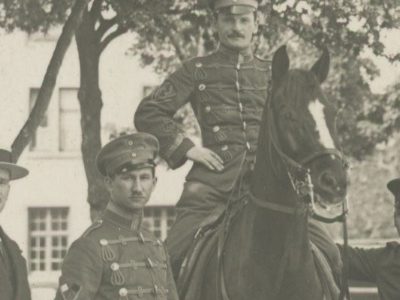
280 64
321 67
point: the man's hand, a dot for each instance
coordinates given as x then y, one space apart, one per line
206 157
397 215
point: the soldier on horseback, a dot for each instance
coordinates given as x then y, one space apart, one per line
227 90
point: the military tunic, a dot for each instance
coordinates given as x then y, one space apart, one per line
380 266
14 283
113 261
227 91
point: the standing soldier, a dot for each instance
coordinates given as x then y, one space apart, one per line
116 258
227 91
380 265
13 274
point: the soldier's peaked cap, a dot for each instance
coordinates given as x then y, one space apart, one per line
394 186
235 7
137 150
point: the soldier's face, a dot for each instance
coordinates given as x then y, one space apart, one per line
236 31
132 190
4 187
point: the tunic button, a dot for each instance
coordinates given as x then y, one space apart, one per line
202 87
224 147
130 143
216 128
123 292
133 154
248 145
199 65
103 242
207 108
114 266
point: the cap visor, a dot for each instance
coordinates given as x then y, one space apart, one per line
237 9
16 172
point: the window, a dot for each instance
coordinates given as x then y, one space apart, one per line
48 238
69 130
159 220
38 142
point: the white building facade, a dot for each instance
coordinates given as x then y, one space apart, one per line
47 210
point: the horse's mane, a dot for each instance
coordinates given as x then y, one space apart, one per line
297 85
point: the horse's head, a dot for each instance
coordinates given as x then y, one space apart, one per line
305 124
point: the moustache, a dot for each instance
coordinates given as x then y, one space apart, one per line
137 195
236 34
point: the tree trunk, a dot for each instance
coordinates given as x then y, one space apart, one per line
49 81
91 104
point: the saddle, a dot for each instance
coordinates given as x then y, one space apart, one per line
208 240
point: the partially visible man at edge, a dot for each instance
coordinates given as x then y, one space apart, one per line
117 257
227 91
13 272
380 265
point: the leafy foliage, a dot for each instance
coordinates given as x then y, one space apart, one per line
170 31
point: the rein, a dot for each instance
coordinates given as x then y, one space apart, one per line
304 189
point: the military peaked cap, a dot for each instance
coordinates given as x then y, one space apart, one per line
235 7
394 186
127 152
6 163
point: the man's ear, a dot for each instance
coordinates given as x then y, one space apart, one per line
107 183
258 15
155 180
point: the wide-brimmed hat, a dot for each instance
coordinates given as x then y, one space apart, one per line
6 163
394 186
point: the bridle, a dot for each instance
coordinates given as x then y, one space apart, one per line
300 179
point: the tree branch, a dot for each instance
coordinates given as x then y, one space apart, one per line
46 90
95 11
173 37
119 31
105 25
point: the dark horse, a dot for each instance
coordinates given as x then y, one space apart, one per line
267 252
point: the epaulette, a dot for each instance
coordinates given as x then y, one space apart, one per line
95 225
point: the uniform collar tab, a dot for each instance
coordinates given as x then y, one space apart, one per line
236 56
121 217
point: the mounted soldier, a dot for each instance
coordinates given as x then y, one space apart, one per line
227 90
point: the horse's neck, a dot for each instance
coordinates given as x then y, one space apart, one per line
270 182
266 231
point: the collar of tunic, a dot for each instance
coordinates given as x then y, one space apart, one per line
121 218
235 56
